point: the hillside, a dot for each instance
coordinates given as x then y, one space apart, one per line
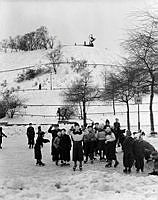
99 111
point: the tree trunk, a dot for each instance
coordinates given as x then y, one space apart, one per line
81 110
128 118
151 105
113 105
84 114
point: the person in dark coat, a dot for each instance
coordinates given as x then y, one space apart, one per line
138 150
57 147
107 124
128 156
77 151
148 149
53 130
1 135
39 144
110 147
117 131
65 145
89 142
30 135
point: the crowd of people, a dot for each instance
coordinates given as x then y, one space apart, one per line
95 140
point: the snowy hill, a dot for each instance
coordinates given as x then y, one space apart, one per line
100 111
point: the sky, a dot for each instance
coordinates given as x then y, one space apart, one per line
72 20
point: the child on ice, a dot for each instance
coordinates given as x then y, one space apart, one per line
39 144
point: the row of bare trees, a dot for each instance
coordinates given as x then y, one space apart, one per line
38 39
139 72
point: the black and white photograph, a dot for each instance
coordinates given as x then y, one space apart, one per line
78 99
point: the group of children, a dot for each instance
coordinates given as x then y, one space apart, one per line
96 139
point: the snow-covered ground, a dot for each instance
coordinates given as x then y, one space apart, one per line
20 179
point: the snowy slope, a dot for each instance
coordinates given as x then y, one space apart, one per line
63 79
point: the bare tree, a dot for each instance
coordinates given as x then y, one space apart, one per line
142 49
121 87
81 93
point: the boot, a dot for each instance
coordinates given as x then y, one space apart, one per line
125 170
129 170
116 163
109 164
41 164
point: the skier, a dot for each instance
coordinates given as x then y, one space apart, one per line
30 136
128 156
1 135
65 145
110 147
77 152
39 144
53 129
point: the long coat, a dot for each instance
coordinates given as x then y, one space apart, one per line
54 135
39 144
30 135
138 150
128 156
65 145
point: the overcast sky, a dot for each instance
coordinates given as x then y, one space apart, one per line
72 20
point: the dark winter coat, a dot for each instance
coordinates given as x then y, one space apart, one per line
148 149
54 135
39 144
128 156
138 150
30 135
65 145
57 149
117 130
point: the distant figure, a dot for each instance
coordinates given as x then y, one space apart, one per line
1 135
107 124
39 144
91 40
40 86
30 136
59 114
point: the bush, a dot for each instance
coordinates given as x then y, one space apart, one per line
2 109
67 112
31 74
